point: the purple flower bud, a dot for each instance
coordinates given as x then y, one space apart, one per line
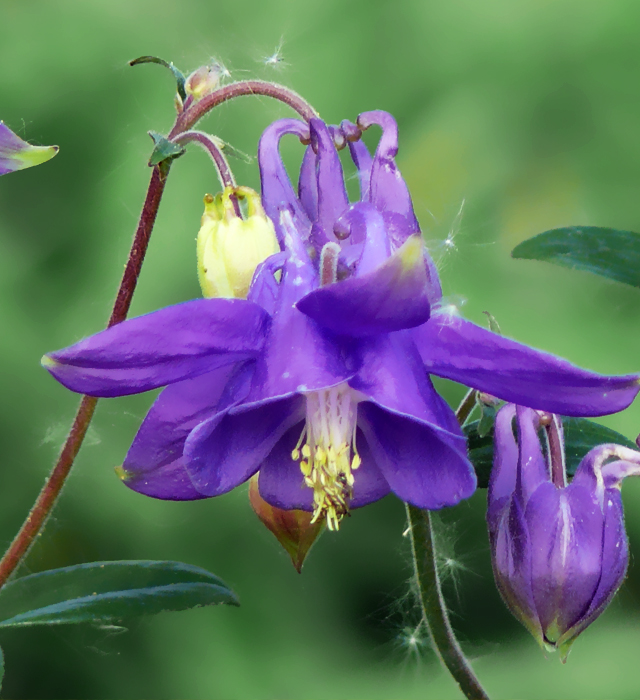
559 551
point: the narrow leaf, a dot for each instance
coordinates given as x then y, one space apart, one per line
580 436
164 149
109 591
232 151
177 74
1 668
604 251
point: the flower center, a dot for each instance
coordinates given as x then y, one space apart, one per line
325 458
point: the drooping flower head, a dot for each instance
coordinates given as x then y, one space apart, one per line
320 379
559 551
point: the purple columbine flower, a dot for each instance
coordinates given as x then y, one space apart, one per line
16 154
320 379
559 551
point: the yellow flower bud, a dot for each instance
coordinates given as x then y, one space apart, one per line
230 247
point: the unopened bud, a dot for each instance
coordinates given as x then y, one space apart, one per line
230 247
205 79
559 553
292 528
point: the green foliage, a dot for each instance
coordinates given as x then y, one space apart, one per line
604 251
580 436
177 74
163 149
108 591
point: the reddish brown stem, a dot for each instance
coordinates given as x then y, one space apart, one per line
190 116
56 479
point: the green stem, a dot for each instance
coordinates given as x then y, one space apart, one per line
48 496
433 606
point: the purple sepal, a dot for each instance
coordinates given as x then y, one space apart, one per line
166 346
392 297
388 190
464 352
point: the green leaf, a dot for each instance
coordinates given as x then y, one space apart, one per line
487 419
108 591
480 452
604 251
580 436
232 151
1 668
164 149
177 74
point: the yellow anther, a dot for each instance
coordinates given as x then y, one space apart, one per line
329 442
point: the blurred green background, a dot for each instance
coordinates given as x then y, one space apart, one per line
514 118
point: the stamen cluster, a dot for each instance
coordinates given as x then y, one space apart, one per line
325 459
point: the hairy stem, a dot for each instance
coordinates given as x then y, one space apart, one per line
433 606
195 112
38 515
212 148
465 409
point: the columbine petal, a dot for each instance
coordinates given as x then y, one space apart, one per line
567 526
532 465
332 195
615 557
388 190
361 157
460 350
162 347
511 549
422 465
227 449
503 476
154 464
277 192
308 184
16 154
389 298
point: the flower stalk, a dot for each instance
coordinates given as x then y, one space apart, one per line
433 606
434 610
55 481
